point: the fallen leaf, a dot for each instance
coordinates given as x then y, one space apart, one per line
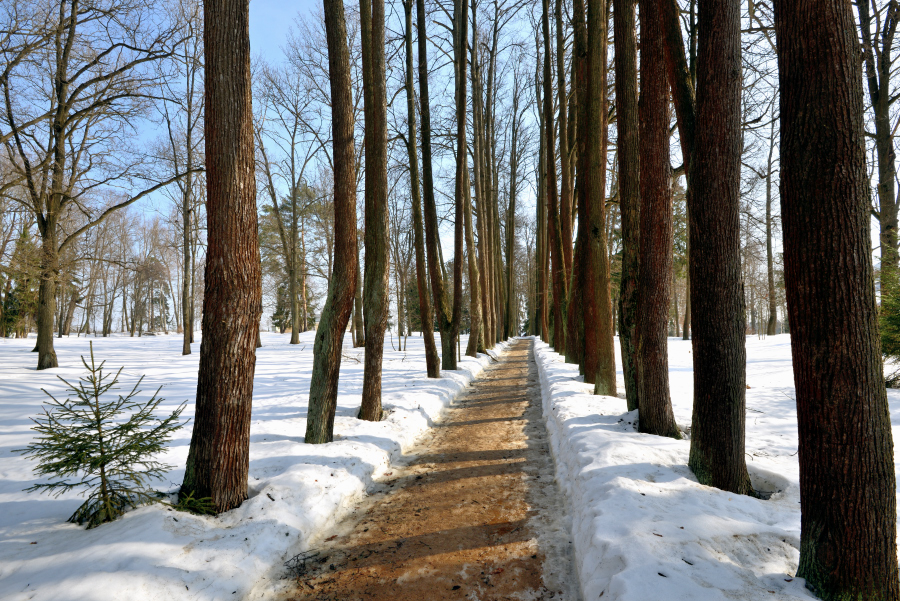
331 538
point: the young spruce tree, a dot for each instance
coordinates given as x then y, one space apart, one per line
105 446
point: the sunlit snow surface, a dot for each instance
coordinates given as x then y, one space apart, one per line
297 491
643 527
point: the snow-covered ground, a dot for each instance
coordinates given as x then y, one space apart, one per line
643 527
297 491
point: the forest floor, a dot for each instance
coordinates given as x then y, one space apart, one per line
473 513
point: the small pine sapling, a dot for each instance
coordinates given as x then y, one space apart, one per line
102 445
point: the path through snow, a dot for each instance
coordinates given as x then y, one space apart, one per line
475 513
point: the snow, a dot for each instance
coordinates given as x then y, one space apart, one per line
297 492
642 524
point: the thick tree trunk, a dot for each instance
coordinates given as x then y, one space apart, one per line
629 189
600 362
342 286
656 234
218 459
439 291
717 296
848 537
554 237
432 360
376 296
47 296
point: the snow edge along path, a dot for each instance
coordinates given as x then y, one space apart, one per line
642 526
297 493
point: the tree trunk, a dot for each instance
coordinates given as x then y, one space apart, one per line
770 267
358 317
717 296
432 234
461 37
686 325
656 233
218 459
565 189
476 330
558 270
47 296
432 360
376 298
600 361
512 322
342 285
848 537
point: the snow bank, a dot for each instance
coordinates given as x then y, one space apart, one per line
297 491
643 527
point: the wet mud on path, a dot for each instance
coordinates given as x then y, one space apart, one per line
474 515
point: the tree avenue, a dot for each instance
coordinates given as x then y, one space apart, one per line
711 187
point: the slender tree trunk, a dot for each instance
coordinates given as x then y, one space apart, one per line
376 297
559 274
686 325
770 266
187 326
219 455
358 321
656 233
576 350
432 360
47 296
476 330
565 188
848 537
461 37
512 323
432 235
342 285
717 296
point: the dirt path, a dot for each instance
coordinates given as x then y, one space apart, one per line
475 514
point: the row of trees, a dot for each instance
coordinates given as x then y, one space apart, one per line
848 489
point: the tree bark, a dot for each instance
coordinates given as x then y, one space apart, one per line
717 296
600 362
342 286
376 298
575 320
443 311
461 37
629 189
770 266
656 234
218 459
358 321
432 360
554 237
848 537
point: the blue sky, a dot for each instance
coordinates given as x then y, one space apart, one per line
270 21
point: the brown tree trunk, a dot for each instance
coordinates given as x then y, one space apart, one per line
342 286
575 320
554 237
565 189
47 296
656 232
476 329
717 296
218 459
770 266
461 38
511 325
629 189
358 321
848 537
600 362
439 291
432 360
376 299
